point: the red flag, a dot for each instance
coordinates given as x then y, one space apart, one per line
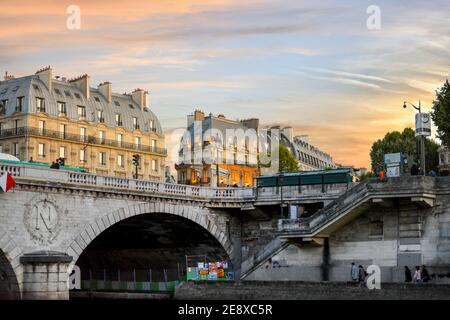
7 182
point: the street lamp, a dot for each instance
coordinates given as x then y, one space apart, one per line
422 137
280 181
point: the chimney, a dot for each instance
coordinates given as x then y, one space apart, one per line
8 76
140 96
45 75
105 89
289 133
83 83
199 115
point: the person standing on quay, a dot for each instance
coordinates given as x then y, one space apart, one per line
408 277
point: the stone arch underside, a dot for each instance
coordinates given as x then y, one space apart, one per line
196 214
9 267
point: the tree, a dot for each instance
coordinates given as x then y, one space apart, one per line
392 142
431 155
441 113
405 143
287 162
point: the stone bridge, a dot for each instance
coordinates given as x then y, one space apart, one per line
54 219
52 216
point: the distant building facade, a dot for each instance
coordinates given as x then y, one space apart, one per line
209 156
308 156
45 118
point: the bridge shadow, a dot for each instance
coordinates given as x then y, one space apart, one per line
9 287
146 252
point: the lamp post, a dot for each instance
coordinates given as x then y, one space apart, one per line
422 137
280 181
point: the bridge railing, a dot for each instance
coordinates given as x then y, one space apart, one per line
110 182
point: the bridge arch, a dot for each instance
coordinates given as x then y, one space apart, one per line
10 267
196 214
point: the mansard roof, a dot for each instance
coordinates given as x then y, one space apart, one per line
31 87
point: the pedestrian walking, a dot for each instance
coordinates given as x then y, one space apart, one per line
417 275
408 276
354 273
424 274
361 274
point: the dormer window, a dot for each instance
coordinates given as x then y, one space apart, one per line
77 95
67 93
135 123
4 91
57 91
40 104
117 103
19 104
131 106
61 107
3 104
118 120
82 111
36 87
97 99
100 117
15 89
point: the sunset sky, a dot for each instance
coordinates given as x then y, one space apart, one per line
312 65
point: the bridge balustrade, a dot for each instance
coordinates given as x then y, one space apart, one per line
88 179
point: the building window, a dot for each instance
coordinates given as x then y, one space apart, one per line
83 134
41 150
19 104
3 104
82 111
82 155
100 117
16 126
41 127
151 125
1 128
135 123
61 108
62 131
62 152
120 161
119 139
137 142
102 158
153 144
1 148
40 105
15 150
118 120
102 136
154 165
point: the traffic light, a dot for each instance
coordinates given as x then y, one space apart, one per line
136 160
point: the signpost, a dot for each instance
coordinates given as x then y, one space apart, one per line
394 164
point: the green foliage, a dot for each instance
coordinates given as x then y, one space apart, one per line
392 142
441 113
431 155
287 162
366 176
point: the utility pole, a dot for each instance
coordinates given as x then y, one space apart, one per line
422 137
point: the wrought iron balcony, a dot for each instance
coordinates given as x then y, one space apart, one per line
25 131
